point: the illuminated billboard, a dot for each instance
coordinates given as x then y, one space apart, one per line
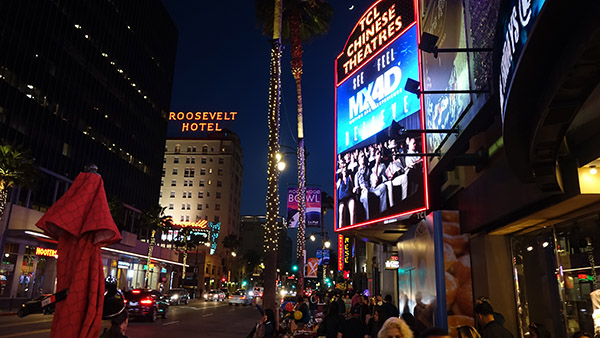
376 176
313 208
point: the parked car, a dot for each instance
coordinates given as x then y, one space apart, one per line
214 295
240 296
146 303
226 292
178 296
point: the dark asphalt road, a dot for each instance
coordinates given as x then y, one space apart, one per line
198 319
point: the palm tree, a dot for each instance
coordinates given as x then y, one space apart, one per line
302 21
154 220
271 16
231 242
16 169
186 240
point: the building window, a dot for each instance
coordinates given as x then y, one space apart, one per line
184 194
175 159
192 172
221 160
216 219
219 183
193 160
203 160
218 194
217 207
173 183
208 194
207 268
177 148
189 149
191 183
187 160
187 218
194 148
188 207
200 194
164 172
165 159
220 172
199 206
172 194
201 183
209 182
206 205
170 206
174 171
160 194
183 206
185 183
162 182
204 149
202 171
181 219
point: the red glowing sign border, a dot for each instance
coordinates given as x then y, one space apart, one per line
423 136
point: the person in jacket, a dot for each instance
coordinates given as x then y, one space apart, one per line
118 326
332 322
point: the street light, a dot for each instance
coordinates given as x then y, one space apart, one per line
312 237
327 244
233 253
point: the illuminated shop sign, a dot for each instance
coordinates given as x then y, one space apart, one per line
346 250
45 252
123 265
380 25
340 252
192 122
375 172
517 24
392 263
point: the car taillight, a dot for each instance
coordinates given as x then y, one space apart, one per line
124 301
146 301
136 291
243 297
230 297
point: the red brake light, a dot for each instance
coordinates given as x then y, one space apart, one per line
124 301
136 291
146 301
243 297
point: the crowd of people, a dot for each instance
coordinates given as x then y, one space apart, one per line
358 316
376 177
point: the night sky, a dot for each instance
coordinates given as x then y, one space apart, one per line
223 65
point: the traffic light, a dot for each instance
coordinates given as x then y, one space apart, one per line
244 283
223 279
327 280
294 268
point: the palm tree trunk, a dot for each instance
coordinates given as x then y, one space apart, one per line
150 250
185 254
271 237
3 200
296 63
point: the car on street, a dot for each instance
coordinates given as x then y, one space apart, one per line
146 303
226 292
177 296
240 296
214 295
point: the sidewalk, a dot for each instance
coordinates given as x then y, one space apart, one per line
10 306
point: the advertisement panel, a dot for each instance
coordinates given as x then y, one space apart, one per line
376 176
448 71
340 256
516 23
313 207
312 265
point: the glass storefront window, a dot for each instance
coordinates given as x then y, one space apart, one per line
7 268
555 271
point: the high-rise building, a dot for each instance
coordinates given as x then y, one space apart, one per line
202 180
80 82
88 82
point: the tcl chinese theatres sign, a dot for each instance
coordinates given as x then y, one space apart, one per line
378 26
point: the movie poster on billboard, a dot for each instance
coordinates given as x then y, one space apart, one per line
376 175
313 208
448 71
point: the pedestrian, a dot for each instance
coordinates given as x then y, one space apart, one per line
303 309
410 320
491 328
353 327
312 303
364 308
355 299
378 300
389 309
497 316
118 326
332 322
341 305
467 332
347 304
376 322
394 328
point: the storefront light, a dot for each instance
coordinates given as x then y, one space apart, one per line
529 248
6 255
545 244
593 170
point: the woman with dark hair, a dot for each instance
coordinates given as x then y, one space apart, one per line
118 326
375 323
332 323
410 320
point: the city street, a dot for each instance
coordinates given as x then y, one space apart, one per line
199 318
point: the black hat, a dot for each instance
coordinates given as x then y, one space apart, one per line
355 310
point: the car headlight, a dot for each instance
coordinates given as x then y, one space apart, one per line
250 293
174 296
205 296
